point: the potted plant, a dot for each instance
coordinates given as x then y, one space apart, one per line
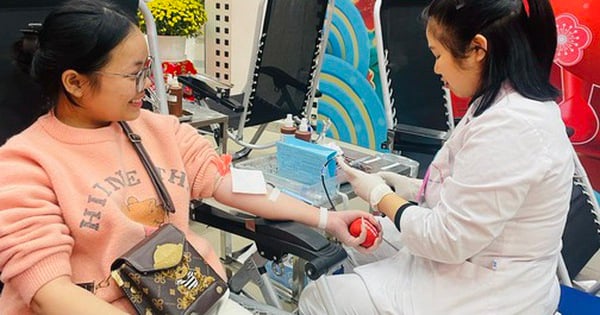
175 20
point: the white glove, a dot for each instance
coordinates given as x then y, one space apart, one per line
404 186
369 187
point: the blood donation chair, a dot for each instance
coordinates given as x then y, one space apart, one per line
420 106
581 241
283 69
273 239
282 79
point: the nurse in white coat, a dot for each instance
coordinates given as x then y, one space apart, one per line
483 235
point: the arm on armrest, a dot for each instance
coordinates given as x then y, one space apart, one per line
276 238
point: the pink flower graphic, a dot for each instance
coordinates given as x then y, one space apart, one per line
572 39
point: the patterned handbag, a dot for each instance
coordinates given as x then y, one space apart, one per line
164 274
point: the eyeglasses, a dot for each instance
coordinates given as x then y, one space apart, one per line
140 77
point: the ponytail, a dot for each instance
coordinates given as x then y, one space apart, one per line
77 35
24 49
541 31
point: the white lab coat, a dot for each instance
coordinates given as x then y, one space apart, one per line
487 237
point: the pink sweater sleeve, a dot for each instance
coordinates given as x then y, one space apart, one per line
35 244
201 161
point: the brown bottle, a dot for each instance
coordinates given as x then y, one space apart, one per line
302 133
288 127
175 96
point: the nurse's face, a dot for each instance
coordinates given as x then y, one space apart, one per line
461 76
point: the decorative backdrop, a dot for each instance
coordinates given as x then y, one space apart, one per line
351 98
577 74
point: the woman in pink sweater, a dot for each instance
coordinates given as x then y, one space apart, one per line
73 193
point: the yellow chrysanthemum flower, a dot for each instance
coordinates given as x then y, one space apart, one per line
176 17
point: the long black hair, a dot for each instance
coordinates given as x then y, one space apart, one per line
78 35
520 44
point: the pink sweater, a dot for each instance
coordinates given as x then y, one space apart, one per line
72 200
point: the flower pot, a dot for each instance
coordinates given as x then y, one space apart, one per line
171 48
194 51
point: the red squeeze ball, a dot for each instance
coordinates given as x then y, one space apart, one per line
372 232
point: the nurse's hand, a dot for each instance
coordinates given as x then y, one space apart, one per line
405 187
368 229
369 187
339 221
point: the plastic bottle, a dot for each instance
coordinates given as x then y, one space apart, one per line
303 133
174 96
288 127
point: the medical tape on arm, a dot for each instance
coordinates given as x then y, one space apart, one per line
274 195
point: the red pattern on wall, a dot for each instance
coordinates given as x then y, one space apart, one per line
577 74
366 10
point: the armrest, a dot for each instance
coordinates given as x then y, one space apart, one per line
203 90
276 238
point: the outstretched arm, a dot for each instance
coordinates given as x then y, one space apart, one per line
288 208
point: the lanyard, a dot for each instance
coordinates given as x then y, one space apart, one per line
421 193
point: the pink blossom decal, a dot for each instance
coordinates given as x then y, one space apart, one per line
572 39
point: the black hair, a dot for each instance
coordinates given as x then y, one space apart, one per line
78 35
520 45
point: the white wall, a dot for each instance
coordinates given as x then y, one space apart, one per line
241 19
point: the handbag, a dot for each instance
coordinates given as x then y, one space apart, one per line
164 274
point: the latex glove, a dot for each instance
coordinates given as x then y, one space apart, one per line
404 186
339 221
369 187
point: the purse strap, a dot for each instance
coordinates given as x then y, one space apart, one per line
163 193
